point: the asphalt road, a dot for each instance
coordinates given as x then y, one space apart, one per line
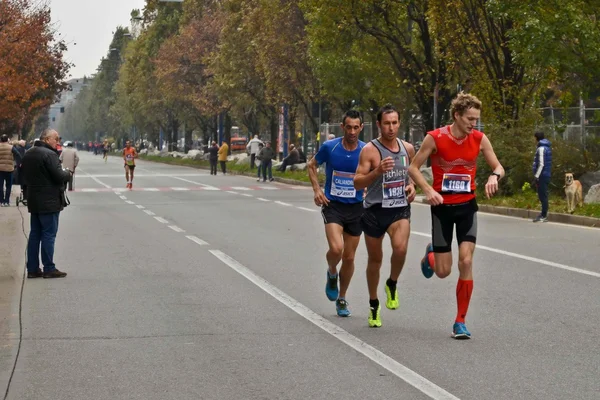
192 286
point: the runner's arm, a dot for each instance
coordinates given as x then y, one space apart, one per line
320 198
414 170
365 175
410 188
491 187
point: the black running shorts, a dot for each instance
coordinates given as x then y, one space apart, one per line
443 219
131 167
376 220
345 214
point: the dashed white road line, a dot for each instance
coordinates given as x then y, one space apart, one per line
261 199
176 228
240 188
197 240
129 202
232 192
406 374
246 195
141 207
308 209
123 197
149 212
180 189
161 220
281 203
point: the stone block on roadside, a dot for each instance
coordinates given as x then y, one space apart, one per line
143 151
593 196
298 167
589 179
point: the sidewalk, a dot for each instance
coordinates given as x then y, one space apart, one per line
12 265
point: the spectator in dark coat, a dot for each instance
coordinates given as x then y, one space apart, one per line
45 180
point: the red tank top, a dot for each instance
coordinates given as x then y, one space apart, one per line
454 165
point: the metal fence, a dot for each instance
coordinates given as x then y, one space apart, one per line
579 125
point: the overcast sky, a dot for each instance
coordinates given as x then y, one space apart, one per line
90 24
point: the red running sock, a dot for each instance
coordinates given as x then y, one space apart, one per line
463 296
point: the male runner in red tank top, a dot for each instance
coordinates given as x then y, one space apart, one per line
453 151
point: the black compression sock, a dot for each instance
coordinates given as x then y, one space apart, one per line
391 284
374 303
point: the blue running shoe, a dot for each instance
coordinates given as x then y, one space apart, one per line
460 331
331 288
425 266
341 306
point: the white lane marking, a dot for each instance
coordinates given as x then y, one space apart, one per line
268 188
161 220
197 240
129 202
232 192
118 191
261 199
141 207
95 179
123 197
524 257
281 203
176 228
89 190
149 212
151 189
401 371
593 228
180 189
246 195
206 187
308 209
240 188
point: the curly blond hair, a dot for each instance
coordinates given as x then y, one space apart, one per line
463 102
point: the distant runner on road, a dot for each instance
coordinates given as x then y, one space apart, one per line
341 206
453 151
129 156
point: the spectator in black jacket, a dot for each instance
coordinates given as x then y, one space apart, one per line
45 180
213 156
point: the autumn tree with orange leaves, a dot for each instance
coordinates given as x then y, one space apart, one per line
32 69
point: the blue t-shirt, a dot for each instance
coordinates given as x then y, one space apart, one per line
340 170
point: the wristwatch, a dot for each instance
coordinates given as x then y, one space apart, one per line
497 175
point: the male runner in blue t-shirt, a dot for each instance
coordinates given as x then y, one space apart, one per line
341 205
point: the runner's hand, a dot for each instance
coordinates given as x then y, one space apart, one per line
321 199
491 187
411 193
387 164
434 198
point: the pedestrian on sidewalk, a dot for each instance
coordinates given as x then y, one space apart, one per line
259 162
7 166
253 147
542 165
70 159
45 179
267 154
222 153
213 156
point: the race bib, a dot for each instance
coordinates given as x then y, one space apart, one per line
393 192
456 183
342 185
129 159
